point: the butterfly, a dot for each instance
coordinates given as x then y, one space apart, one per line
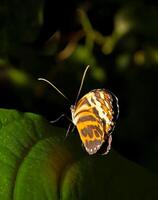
94 115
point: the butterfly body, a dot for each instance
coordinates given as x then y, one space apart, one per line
94 117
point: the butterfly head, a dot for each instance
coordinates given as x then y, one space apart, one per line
72 109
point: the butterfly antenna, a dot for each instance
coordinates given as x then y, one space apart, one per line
83 77
45 80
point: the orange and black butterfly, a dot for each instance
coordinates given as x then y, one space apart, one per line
94 115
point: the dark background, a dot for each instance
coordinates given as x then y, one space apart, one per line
56 40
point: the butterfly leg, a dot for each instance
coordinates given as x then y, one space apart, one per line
69 127
56 120
109 145
73 128
63 115
69 130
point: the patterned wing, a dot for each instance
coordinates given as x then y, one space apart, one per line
91 131
107 107
93 116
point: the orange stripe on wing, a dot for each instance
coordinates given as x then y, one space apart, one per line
91 139
83 101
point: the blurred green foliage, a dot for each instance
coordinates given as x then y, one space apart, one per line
56 40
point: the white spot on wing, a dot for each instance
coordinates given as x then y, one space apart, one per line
107 105
102 95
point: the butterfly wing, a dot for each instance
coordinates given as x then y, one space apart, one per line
94 118
107 106
91 131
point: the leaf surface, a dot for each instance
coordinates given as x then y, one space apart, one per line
36 162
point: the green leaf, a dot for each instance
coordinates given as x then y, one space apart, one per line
36 162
